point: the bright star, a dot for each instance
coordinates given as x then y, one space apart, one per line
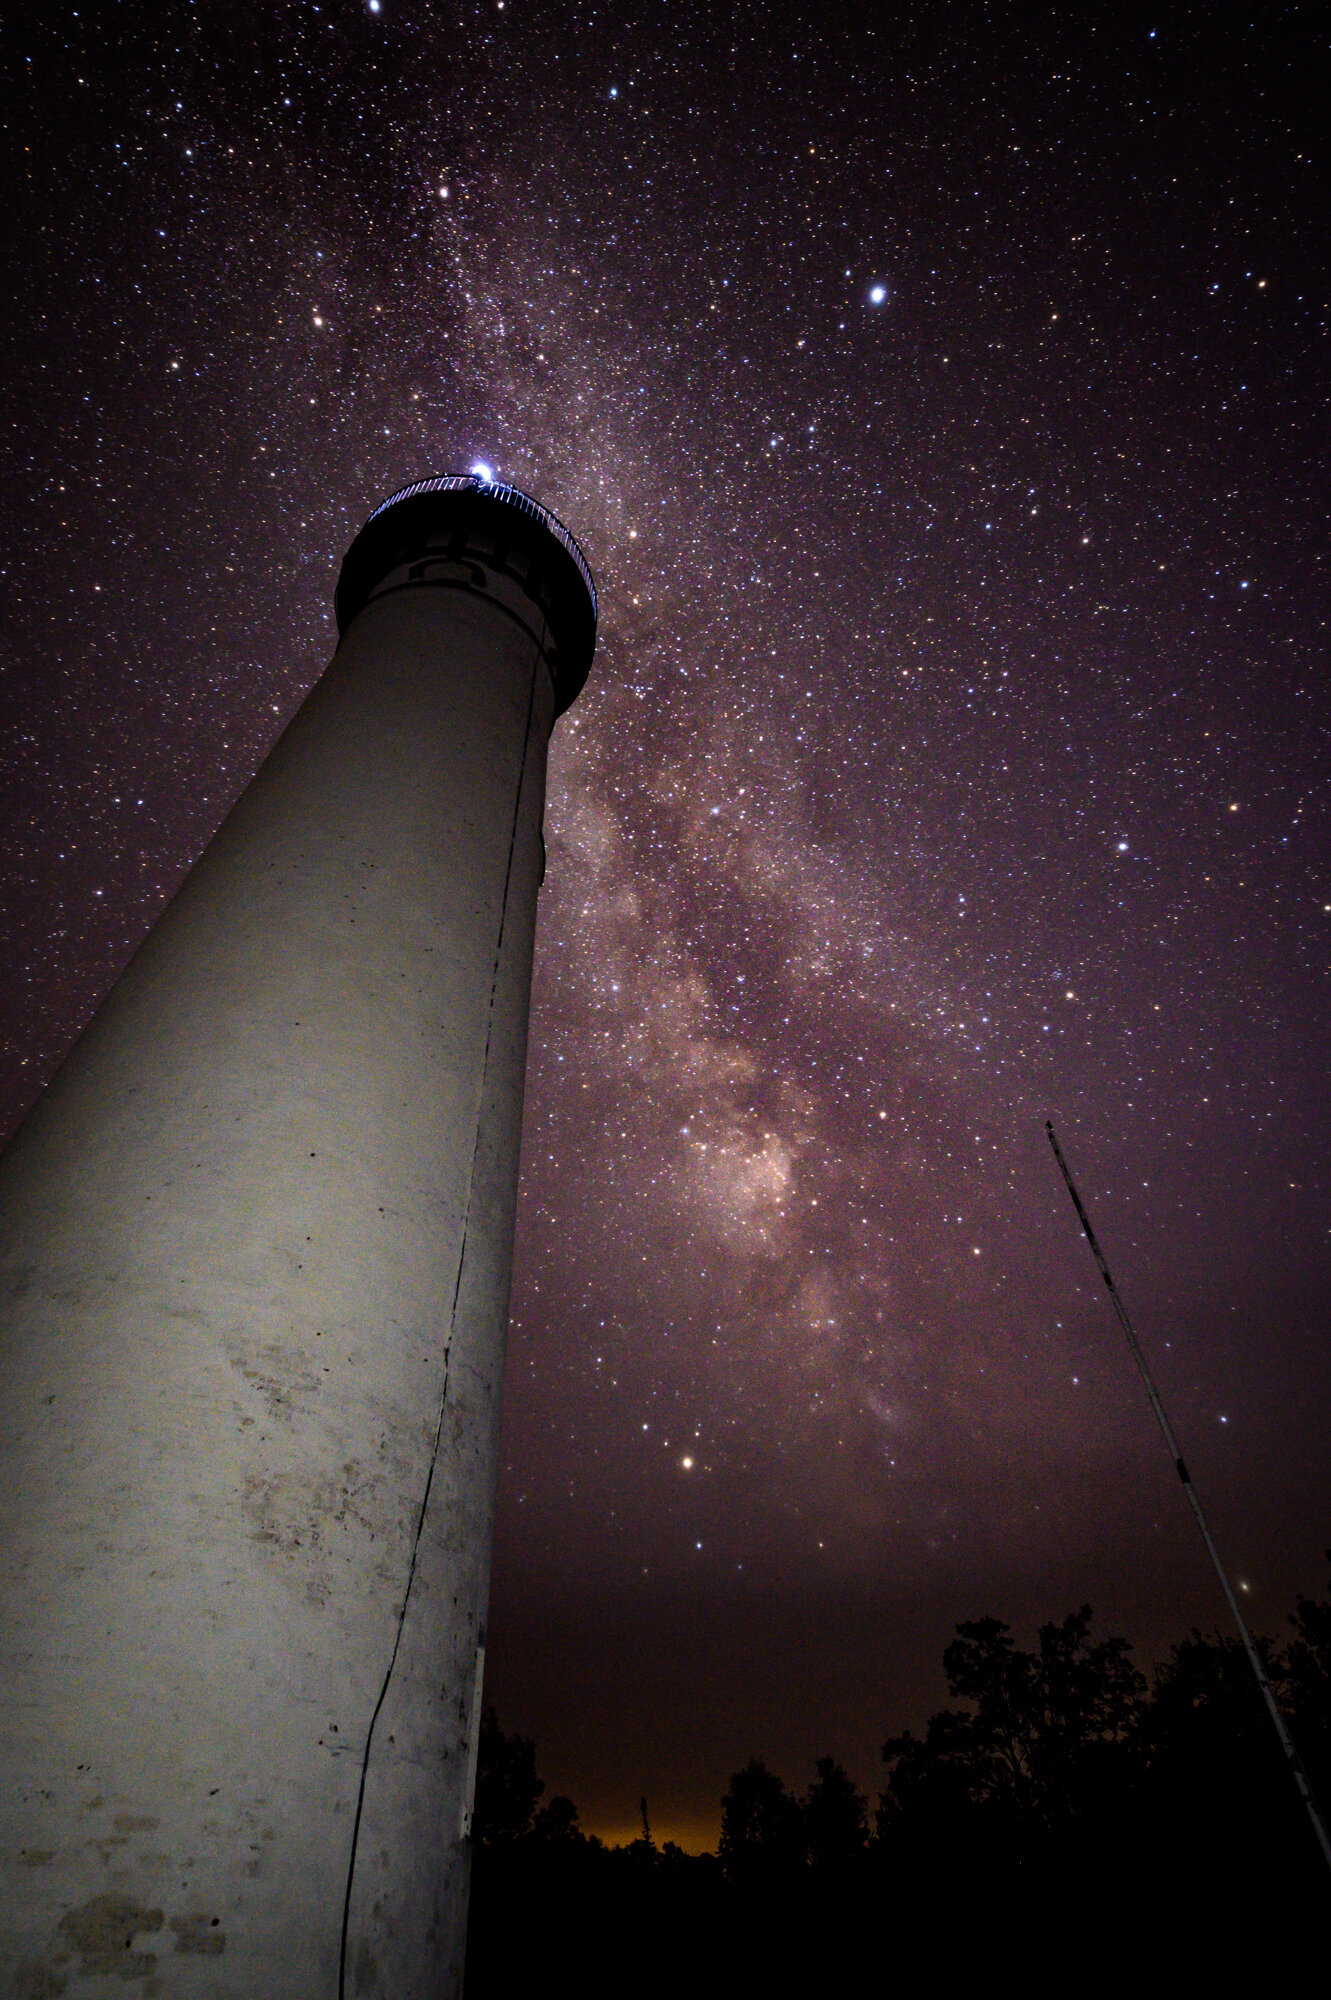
877 295
483 472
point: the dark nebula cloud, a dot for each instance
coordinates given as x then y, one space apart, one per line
941 401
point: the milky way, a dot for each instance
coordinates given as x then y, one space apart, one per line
942 409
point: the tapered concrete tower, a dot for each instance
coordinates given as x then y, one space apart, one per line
254 1248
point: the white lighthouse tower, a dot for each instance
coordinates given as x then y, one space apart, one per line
255 1243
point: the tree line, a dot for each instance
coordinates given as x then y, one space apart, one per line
1063 1801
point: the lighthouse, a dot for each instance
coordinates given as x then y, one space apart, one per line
255 1243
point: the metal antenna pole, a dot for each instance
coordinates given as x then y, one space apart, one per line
1291 1755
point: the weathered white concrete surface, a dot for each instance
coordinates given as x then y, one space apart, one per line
254 1240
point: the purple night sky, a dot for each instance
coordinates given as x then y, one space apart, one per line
941 402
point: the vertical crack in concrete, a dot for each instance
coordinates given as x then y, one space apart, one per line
457 1289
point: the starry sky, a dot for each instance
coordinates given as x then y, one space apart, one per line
939 395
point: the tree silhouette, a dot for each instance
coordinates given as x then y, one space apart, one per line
1307 1686
762 1828
835 1819
1058 1798
557 1820
1215 1771
1045 1735
507 1787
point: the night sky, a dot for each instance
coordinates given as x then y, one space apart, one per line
940 399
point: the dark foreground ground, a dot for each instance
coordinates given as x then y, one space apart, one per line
680 1930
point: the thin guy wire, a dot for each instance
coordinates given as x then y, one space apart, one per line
1291 1755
